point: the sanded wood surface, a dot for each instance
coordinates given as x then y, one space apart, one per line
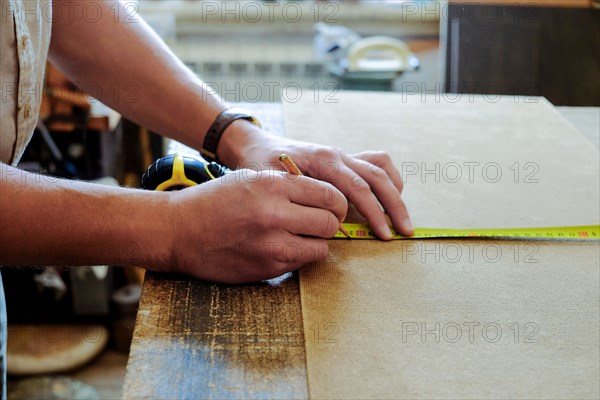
361 300
200 340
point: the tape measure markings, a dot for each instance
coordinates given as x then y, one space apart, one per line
587 232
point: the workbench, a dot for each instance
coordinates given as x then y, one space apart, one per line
195 339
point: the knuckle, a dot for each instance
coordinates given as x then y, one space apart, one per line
325 153
380 157
402 204
274 184
330 227
337 150
360 186
330 196
378 173
383 155
321 250
271 218
400 184
288 255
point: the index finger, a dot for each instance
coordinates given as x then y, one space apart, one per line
383 161
360 194
310 192
386 192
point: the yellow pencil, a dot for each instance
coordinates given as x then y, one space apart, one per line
291 167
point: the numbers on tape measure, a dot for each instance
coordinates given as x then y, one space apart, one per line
591 232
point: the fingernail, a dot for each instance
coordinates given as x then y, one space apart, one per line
408 225
387 232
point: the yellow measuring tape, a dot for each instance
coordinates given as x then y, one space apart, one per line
589 232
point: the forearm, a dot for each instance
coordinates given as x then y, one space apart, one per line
116 57
129 68
50 221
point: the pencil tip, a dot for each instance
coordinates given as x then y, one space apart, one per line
344 231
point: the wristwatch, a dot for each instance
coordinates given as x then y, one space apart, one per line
223 120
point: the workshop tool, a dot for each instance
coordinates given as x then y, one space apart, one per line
371 63
589 232
176 171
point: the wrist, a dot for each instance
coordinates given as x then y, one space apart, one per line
212 139
155 238
236 142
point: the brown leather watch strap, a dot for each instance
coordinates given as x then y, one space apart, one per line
213 136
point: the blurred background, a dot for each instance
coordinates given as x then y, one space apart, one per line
251 51
70 329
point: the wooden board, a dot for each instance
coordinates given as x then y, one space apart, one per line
458 318
184 346
467 161
453 319
201 340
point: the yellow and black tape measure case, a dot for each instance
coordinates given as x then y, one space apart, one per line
176 172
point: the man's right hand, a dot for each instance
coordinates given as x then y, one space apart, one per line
249 226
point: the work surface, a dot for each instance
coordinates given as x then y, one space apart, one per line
200 340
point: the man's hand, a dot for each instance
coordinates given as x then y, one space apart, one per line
369 180
249 225
243 227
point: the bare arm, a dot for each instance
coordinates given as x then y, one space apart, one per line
170 99
225 230
50 221
245 227
128 67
